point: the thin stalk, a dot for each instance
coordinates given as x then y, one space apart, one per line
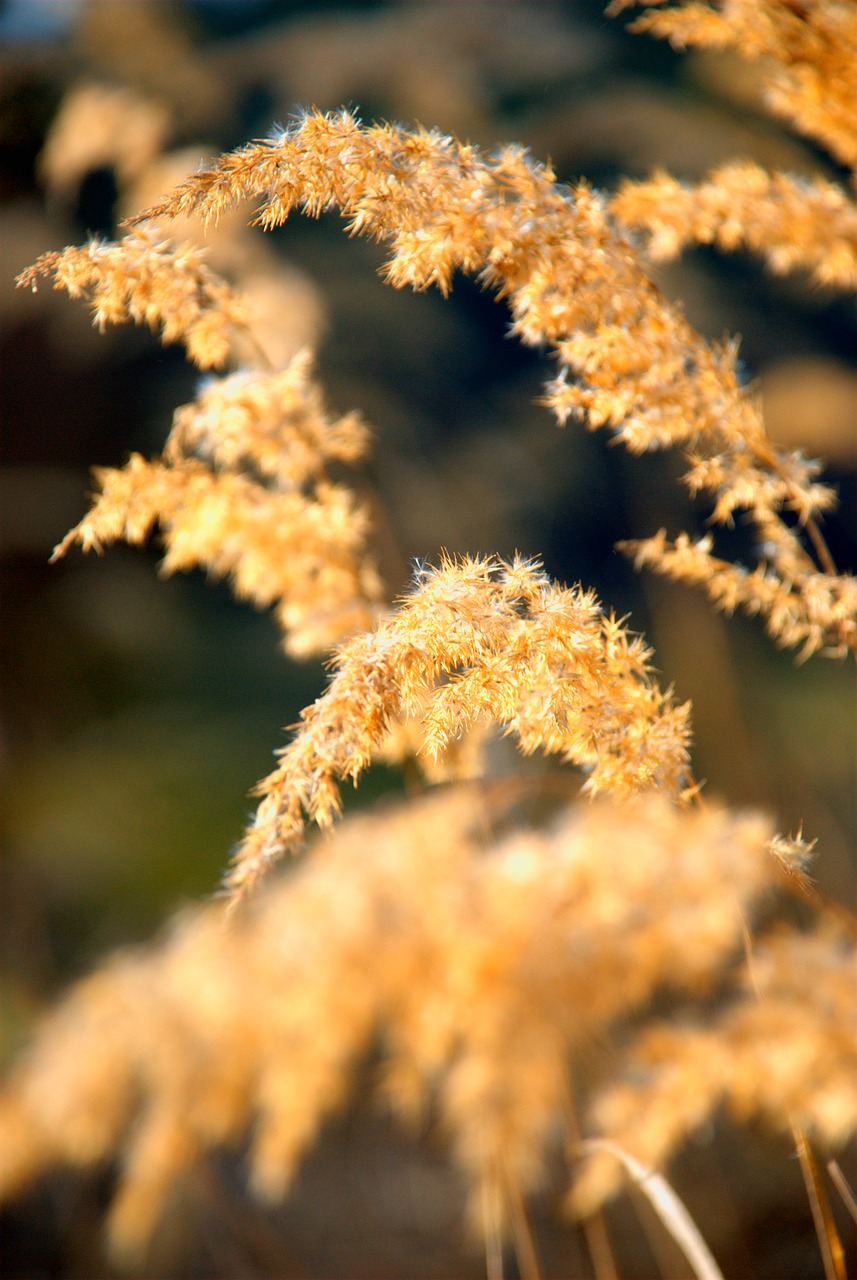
667 1206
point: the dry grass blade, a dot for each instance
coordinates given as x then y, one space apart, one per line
839 1181
667 1206
832 1252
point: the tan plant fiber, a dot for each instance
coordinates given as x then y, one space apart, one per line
152 281
806 59
489 641
484 965
804 52
243 491
794 223
770 1053
478 952
628 358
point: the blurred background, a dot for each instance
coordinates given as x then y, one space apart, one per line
138 712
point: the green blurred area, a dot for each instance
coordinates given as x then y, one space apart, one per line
138 713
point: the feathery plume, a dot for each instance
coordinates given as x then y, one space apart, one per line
629 360
479 959
152 281
795 224
477 640
806 55
256 506
484 965
782 1050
